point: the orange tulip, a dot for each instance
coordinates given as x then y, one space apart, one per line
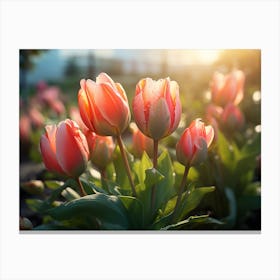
101 149
64 149
192 147
140 142
103 106
232 118
227 88
157 107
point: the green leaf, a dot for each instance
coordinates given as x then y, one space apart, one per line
69 194
165 187
226 152
91 188
144 192
191 200
253 146
36 205
135 211
141 166
230 220
193 222
121 175
52 184
108 210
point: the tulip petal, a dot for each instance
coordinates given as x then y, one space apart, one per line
85 109
48 154
200 153
209 130
159 119
153 90
114 109
104 78
69 155
139 113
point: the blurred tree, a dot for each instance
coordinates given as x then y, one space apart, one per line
26 63
71 69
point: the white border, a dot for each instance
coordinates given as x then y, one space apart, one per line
146 24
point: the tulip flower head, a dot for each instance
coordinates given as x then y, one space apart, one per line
101 149
227 88
103 106
140 142
192 147
64 149
157 107
232 118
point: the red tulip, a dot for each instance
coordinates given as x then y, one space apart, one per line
140 142
232 118
101 149
227 89
192 147
103 106
157 107
64 149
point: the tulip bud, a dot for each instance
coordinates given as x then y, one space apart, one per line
229 88
33 186
157 107
64 149
140 142
103 106
232 118
101 149
24 223
192 147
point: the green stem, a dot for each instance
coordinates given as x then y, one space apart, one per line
154 166
82 190
181 189
126 164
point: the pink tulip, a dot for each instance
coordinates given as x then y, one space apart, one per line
58 107
64 149
232 118
140 142
192 147
24 128
101 149
213 111
103 106
227 88
36 117
157 107
75 115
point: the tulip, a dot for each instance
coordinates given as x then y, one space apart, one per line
157 107
213 111
101 149
36 117
192 147
140 142
191 150
103 106
64 149
104 109
24 128
232 118
75 115
227 88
